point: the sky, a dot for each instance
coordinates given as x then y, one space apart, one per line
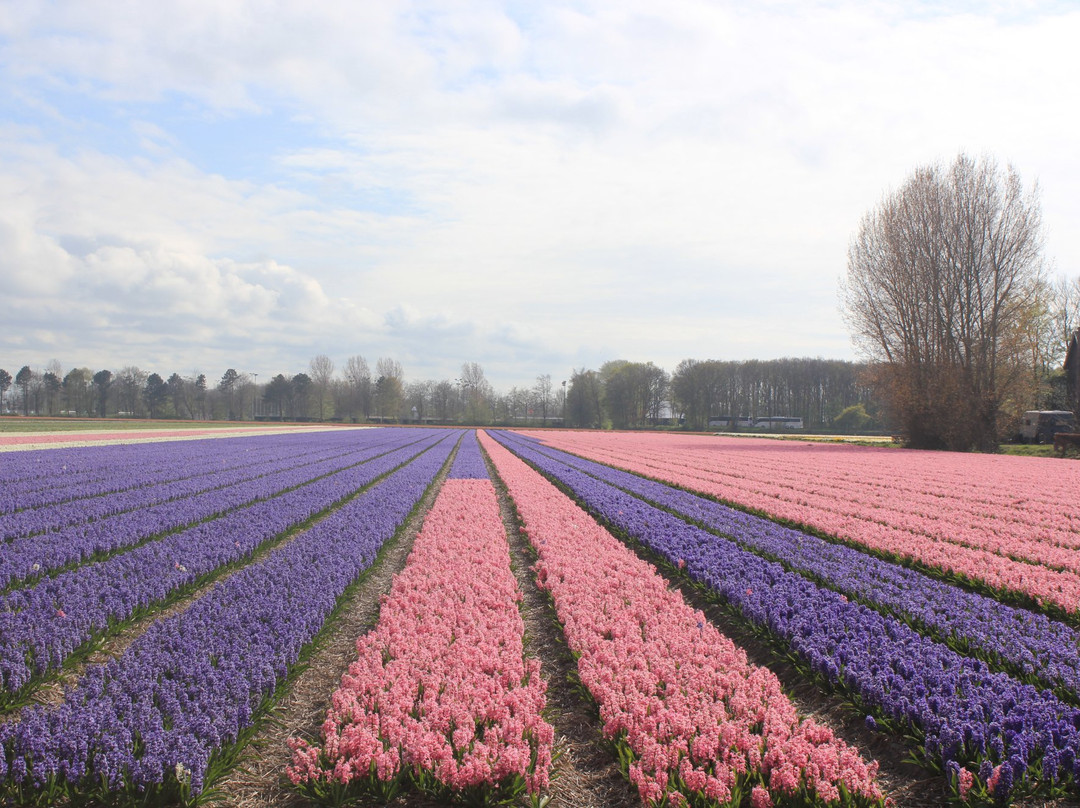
535 187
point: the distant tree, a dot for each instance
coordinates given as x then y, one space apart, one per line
390 368
1065 311
583 405
103 384
52 385
229 387
177 391
5 385
633 392
322 373
418 397
300 400
278 394
156 394
543 395
389 394
130 382
442 398
476 393
200 395
77 391
357 388
23 378
941 279
852 419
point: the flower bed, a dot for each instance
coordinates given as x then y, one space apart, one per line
138 482
1001 521
696 722
986 731
441 695
148 727
36 555
42 625
1019 641
38 478
469 463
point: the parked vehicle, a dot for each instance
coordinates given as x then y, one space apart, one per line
779 422
731 421
1040 426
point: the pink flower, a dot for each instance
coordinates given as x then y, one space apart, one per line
760 798
682 696
966 781
441 685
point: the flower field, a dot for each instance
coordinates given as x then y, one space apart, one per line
159 601
441 694
1001 522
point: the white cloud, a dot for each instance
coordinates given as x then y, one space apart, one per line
550 183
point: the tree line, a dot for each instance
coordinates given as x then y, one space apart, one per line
620 394
629 395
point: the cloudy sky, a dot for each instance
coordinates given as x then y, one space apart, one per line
536 187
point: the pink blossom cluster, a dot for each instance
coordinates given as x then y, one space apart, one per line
1004 521
699 721
441 691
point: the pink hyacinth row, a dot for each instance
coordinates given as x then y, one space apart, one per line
441 688
699 721
1001 520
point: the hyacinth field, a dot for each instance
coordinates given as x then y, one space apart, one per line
556 618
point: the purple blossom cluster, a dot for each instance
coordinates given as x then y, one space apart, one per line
189 472
984 729
468 462
188 687
41 625
135 521
55 476
1022 642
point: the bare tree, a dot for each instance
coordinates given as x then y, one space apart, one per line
442 398
389 368
418 396
941 277
358 386
476 393
543 395
322 373
1065 310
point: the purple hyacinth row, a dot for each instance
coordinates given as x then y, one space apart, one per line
42 625
1023 642
191 684
469 463
971 719
138 486
39 554
53 476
